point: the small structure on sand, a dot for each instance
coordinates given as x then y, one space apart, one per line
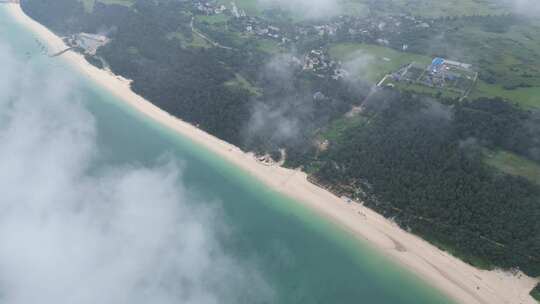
89 43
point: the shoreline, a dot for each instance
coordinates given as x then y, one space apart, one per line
439 269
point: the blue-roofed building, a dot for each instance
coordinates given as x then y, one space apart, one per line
453 77
437 64
438 61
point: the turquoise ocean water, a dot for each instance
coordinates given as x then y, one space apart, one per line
303 257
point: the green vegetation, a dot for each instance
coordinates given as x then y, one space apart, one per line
194 41
419 160
268 46
250 6
241 82
425 90
499 124
503 49
513 164
354 7
89 4
535 293
425 8
435 9
335 131
380 60
414 162
526 97
376 61
213 19
513 61
199 42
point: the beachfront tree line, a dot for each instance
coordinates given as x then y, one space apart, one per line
417 161
198 84
414 160
535 293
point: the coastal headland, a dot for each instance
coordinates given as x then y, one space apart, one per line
460 281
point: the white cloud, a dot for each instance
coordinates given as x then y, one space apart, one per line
310 9
527 7
279 119
358 65
120 235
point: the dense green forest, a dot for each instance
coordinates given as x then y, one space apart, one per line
411 160
417 160
499 124
184 81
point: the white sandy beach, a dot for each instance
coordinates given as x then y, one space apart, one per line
453 277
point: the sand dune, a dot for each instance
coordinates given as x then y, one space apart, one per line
455 278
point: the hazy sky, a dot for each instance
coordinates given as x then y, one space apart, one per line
527 7
328 8
306 8
124 235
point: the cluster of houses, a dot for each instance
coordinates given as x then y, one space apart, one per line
320 63
381 30
262 28
383 24
384 30
210 8
372 29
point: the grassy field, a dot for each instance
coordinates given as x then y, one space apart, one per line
372 62
269 46
511 58
196 42
251 7
428 91
334 132
379 61
527 97
214 19
515 165
242 82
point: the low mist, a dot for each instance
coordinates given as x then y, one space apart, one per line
280 119
309 9
527 7
118 235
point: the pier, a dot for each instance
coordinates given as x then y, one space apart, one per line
61 52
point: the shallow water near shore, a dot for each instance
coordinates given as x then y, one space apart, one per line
303 257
